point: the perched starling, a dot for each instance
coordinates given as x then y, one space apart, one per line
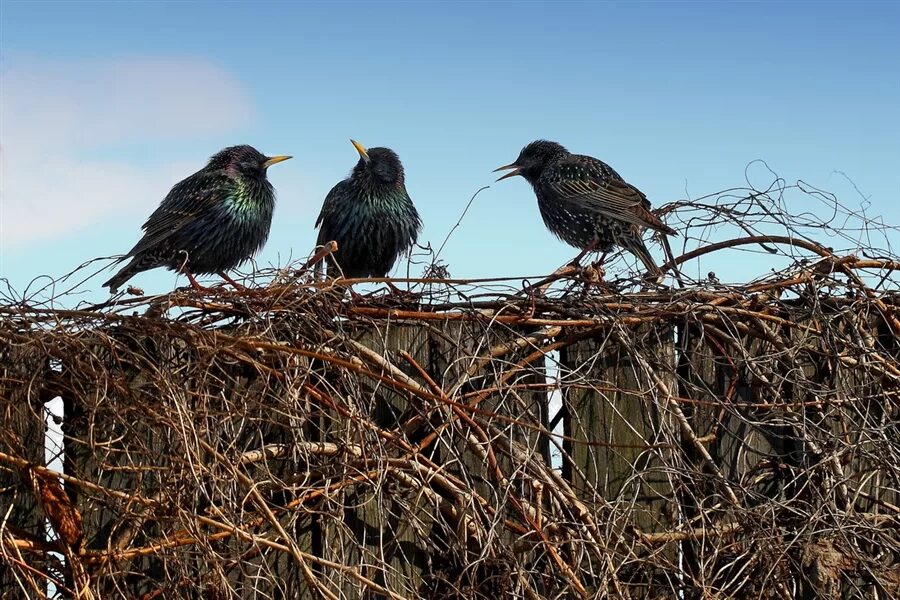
210 222
370 216
585 203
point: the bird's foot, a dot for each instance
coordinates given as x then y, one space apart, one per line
593 275
594 272
576 262
196 284
237 286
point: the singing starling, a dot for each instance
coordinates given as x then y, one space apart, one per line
585 203
210 222
370 216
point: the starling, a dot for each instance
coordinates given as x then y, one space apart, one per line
585 203
210 222
370 216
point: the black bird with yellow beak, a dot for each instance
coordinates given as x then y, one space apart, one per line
210 222
585 203
370 216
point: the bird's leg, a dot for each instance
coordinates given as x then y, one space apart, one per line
567 269
232 282
195 284
590 248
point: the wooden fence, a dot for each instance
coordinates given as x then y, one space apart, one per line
631 447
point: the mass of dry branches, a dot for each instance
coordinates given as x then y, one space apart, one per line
571 436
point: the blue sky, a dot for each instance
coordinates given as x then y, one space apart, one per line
105 105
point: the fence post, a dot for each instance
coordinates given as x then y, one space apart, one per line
616 446
22 398
377 520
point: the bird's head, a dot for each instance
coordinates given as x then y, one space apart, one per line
533 159
377 166
244 160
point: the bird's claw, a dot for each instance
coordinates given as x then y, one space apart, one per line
237 286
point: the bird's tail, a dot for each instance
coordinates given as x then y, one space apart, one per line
636 245
125 273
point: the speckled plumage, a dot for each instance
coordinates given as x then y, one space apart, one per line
585 202
370 216
210 222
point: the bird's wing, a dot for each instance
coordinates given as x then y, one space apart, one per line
417 219
328 208
188 200
598 188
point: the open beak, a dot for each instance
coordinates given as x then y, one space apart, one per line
516 170
274 159
361 149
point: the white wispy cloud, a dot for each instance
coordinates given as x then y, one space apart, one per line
57 118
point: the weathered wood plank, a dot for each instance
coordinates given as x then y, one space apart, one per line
22 430
614 421
385 530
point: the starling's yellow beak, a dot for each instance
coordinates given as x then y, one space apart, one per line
516 170
274 159
361 149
